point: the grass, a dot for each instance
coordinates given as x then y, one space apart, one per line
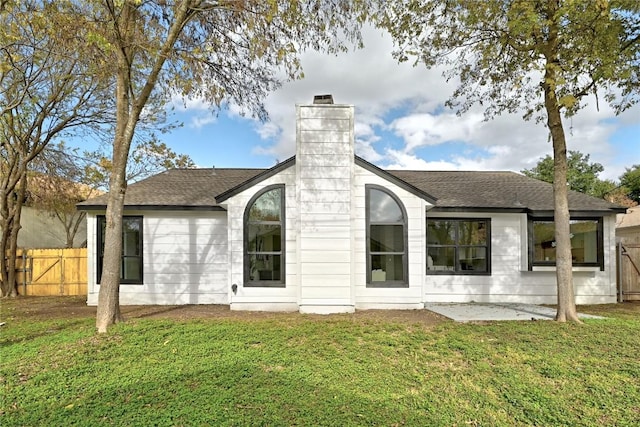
311 371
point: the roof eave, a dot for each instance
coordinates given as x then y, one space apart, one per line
93 208
395 180
255 180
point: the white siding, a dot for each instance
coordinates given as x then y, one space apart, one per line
263 298
411 297
324 167
185 259
510 282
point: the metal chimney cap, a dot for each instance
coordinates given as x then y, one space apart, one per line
323 99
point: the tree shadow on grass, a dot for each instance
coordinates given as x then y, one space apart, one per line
11 331
223 392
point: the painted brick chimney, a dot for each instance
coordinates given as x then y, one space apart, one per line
325 175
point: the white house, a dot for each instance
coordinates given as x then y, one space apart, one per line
325 231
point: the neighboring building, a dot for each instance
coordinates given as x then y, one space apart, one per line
42 230
628 224
325 231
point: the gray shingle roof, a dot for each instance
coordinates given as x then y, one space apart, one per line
495 190
179 188
197 189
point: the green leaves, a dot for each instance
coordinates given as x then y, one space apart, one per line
582 176
499 49
630 180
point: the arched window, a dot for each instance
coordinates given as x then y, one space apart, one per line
386 239
264 238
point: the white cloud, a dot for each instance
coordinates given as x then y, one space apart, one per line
198 122
406 102
402 160
269 130
428 129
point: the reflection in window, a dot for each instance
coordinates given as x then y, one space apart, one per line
131 263
458 246
585 243
264 251
386 239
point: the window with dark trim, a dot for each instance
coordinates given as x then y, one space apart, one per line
386 238
264 238
131 259
458 246
586 242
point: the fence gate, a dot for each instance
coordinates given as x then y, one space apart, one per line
628 272
45 272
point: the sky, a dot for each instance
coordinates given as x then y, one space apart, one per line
400 123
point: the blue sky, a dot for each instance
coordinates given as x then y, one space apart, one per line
400 122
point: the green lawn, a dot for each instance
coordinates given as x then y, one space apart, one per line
311 371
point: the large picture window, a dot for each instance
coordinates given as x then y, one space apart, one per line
586 242
386 239
131 259
264 240
458 246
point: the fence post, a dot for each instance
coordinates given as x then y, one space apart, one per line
62 260
620 278
24 272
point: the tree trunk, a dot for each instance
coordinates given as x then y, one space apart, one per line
4 242
564 265
11 285
108 312
71 225
128 110
11 211
9 183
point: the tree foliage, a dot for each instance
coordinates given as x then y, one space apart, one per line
539 57
582 176
500 50
48 89
630 180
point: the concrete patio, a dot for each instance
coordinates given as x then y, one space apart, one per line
473 312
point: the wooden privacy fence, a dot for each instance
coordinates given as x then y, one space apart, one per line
629 272
46 272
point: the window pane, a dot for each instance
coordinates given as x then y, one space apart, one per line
131 225
544 241
440 232
102 229
383 208
386 267
387 238
264 237
473 258
584 241
130 242
472 233
441 259
130 268
264 267
131 258
267 206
